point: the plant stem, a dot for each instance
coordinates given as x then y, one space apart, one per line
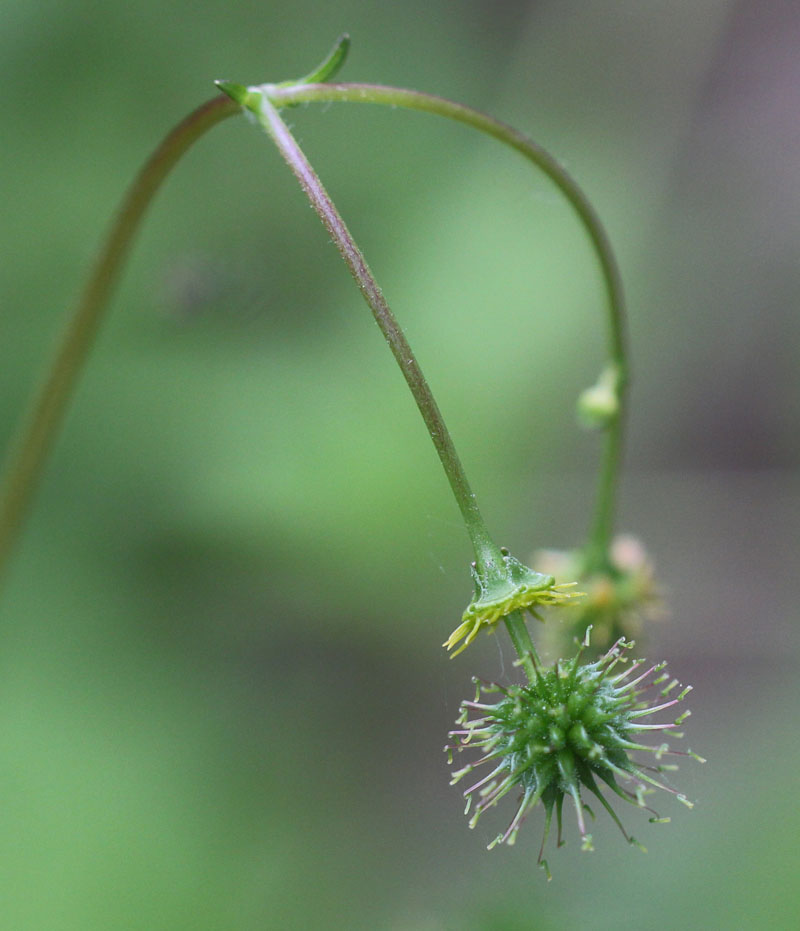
596 555
429 103
518 631
487 554
39 428
605 504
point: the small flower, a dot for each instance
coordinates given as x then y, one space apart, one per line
618 598
515 588
573 728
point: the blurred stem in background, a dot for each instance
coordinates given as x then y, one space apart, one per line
39 428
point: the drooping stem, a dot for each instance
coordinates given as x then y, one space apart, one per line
487 554
602 522
40 427
36 436
440 106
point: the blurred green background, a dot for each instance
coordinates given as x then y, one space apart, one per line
222 692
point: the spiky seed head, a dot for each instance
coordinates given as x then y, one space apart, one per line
575 730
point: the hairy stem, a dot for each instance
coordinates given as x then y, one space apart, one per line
39 428
487 554
602 522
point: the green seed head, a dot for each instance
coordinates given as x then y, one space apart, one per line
575 729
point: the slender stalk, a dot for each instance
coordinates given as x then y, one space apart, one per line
605 505
596 554
521 638
487 553
39 428
429 103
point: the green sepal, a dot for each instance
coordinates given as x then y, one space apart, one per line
328 67
513 583
250 97
246 97
514 587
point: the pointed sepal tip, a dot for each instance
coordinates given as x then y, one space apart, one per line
244 96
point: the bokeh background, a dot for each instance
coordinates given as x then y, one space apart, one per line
222 693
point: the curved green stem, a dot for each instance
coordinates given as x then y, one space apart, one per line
39 428
487 553
430 103
602 523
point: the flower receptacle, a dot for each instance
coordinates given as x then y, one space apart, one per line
510 587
